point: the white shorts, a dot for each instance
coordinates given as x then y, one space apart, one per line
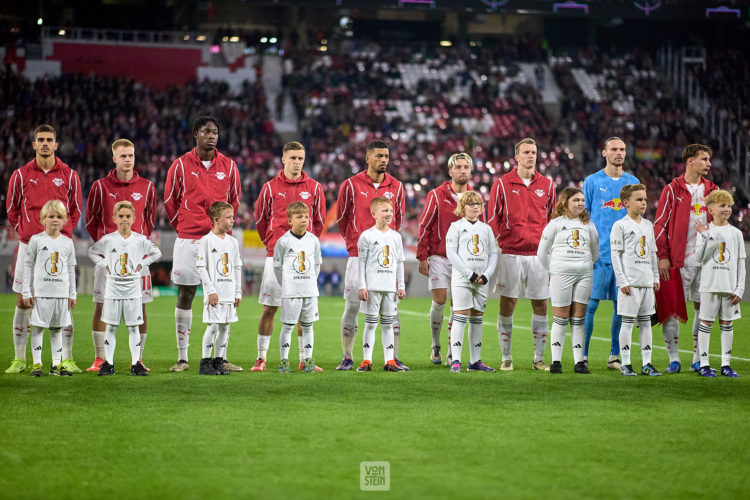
50 313
100 283
691 283
351 280
465 297
18 272
717 304
522 276
304 309
440 272
567 288
184 271
270 289
640 302
223 312
128 310
379 304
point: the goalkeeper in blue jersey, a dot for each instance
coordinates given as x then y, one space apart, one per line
601 191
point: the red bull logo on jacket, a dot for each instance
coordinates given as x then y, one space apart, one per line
614 204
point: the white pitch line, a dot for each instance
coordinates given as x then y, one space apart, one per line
519 327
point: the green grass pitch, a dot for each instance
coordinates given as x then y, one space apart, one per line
522 434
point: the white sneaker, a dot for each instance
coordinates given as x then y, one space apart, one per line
540 365
614 363
507 365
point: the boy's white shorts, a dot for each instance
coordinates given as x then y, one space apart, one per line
717 304
50 313
465 297
379 304
223 312
304 309
640 302
128 310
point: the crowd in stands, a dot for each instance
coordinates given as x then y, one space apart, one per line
426 102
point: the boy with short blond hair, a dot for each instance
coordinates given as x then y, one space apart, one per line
721 251
381 282
50 261
636 268
123 254
220 267
296 264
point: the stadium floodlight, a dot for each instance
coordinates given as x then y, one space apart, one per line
200 38
61 32
445 43
234 39
40 21
273 39
264 40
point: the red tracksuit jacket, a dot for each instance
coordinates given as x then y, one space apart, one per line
673 217
353 206
108 191
436 219
275 197
30 188
518 214
191 188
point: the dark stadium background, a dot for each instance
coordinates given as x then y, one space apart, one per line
429 77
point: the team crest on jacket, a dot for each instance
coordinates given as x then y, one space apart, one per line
220 175
385 259
136 196
388 195
475 246
57 181
539 192
304 195
224 266
721 254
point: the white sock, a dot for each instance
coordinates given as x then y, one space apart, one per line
696 326
56 345
285 339
727 337
646 338
475 339
577 338
21 318
436 322
505 334
183 319
626 338
388 337
559 325
704 336
396 335
308 340
349 327
368 336
98 343
671 330
301 348
221 342
143 342
207 345
110 342
67 342
540 329
134 340
263 342
37 336
457 335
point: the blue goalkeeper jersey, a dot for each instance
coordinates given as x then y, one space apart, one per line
602 197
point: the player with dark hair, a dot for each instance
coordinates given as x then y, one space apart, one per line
44 178
194 182
354 216
681 206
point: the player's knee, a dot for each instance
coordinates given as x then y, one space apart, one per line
269 312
